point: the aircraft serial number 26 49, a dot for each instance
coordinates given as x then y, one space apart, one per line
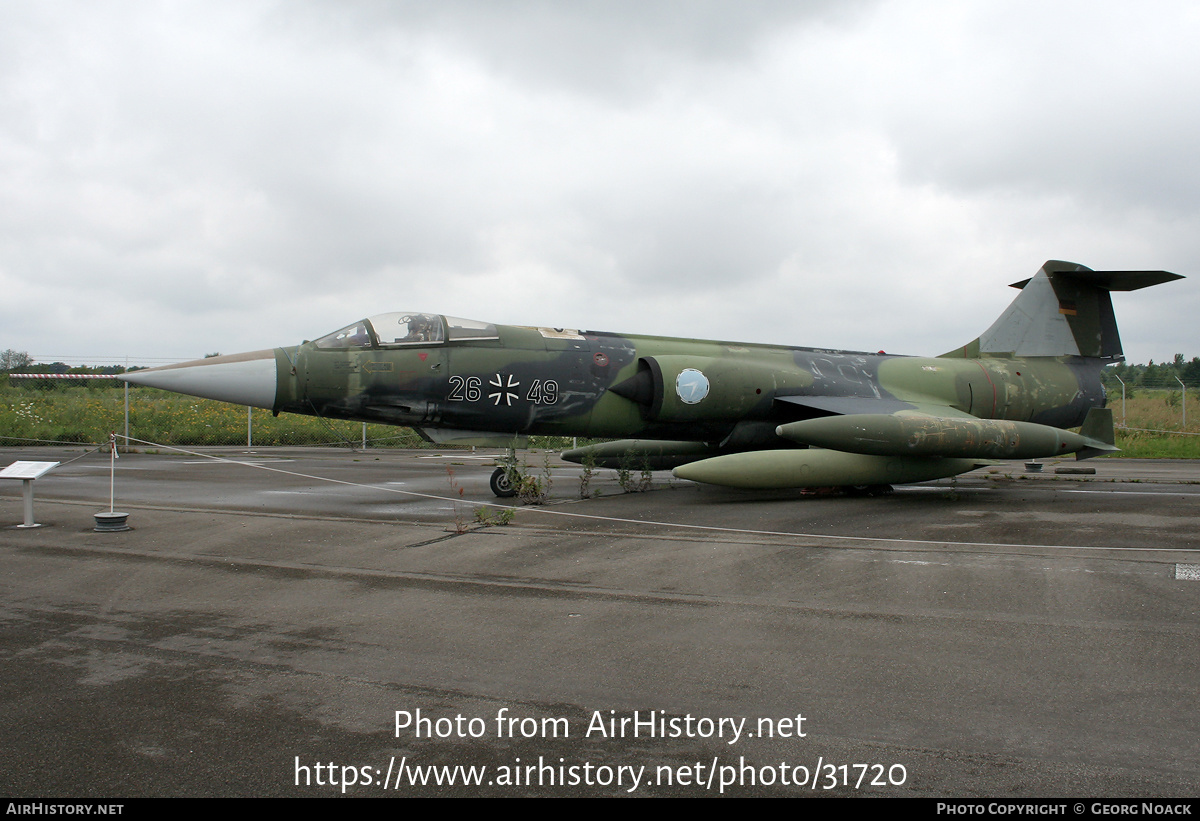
501 389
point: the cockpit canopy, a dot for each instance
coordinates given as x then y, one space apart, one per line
402 328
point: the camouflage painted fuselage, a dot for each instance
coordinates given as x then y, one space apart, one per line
741 415
604 385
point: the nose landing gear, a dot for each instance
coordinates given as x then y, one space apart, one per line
501 484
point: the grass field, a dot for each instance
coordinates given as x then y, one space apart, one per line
63 413
89 413
1148 411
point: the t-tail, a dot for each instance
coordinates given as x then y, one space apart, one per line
1063 310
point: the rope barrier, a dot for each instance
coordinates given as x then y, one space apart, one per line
644 522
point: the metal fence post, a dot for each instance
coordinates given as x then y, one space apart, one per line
127 417
1183 402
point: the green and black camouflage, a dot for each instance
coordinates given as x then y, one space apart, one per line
731 413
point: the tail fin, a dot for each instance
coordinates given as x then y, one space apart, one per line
1063 310
1098 430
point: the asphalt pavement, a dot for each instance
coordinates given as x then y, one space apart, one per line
322 622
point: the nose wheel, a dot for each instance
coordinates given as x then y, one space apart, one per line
501 486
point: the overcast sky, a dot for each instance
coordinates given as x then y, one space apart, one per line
183 178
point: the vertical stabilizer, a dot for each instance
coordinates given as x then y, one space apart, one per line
1063 310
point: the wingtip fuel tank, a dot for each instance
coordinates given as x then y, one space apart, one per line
961 437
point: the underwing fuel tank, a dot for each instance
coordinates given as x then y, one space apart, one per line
636 453
814 467
919 435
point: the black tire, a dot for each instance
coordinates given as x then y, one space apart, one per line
501 486
869 490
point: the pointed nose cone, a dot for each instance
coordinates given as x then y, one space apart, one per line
243 378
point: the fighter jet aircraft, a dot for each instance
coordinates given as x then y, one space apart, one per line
725 413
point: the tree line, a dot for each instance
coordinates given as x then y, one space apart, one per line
1156 375
13 361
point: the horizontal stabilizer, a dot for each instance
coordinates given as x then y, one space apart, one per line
1114 280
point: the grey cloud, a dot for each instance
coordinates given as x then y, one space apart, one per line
229 165
611 48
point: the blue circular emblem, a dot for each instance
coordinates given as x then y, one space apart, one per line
691 386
